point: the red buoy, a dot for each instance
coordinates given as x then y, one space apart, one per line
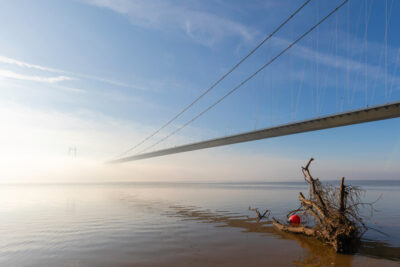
294 219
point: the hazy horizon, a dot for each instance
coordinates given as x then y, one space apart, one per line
90 79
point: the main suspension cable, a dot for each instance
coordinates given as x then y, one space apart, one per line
218 81
250 77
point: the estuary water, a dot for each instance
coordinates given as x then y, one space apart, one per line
177 224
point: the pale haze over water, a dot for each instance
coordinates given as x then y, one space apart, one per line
176 224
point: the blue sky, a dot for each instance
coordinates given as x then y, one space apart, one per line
100 75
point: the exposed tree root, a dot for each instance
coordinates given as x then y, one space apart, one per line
336 212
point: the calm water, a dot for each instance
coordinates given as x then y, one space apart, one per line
175 224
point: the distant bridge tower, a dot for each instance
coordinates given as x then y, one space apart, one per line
72 151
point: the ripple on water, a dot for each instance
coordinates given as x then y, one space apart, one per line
177 225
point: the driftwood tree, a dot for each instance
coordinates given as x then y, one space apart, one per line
335 211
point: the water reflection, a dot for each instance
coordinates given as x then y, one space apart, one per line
169 225
316 252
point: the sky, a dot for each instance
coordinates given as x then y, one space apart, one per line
98 76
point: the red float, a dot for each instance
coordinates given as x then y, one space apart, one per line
294 219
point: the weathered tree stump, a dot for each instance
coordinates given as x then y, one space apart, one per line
335 211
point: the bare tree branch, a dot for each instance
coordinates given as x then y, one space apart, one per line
294 229
335 210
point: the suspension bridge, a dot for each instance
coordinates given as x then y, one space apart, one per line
357 116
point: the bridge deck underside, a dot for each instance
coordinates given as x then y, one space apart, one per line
348 118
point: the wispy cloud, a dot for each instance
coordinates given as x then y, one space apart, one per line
204 27
13 61
65 74
18 76
70 89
